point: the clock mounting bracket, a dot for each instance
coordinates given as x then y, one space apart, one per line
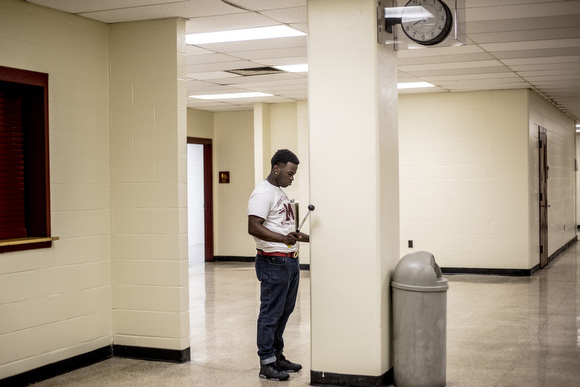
412 24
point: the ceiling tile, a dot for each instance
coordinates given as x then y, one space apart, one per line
227 22
571 59
527 35
81 6
260 5
216 75
253 45
521 9
288 15
273 53
535 45
450 66
537 53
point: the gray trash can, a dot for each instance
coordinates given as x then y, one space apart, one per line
419 321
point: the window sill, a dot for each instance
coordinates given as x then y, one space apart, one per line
30 243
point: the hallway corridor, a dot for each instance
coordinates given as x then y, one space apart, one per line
502 331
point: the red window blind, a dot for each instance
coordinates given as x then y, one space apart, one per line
12 172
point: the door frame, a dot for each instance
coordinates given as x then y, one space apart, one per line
207 194
543 169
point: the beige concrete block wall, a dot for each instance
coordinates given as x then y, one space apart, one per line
199 123
464 186
262 153
561 176
270 127
148 184
469 177
468 173
56 303
288 123
284 135
233 149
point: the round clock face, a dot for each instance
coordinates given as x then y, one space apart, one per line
426 22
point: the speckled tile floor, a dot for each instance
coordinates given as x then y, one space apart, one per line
501 331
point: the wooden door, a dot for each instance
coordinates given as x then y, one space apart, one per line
207 194
543 194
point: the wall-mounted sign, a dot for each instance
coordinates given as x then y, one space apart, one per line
224 177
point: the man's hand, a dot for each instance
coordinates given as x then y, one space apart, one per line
256 228
291 239
301 237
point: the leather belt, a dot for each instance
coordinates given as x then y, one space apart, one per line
292 254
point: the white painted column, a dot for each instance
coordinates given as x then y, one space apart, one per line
354 186
261 142
148 136
303 154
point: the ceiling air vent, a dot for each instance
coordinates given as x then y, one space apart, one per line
255 71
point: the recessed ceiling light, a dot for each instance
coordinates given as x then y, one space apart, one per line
242 35
231 95
413 85
297 68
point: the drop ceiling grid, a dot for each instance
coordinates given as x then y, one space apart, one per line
295 15
515 43
76 6
226 22
265 54
262 5
570 60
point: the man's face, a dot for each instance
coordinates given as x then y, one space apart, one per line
286 173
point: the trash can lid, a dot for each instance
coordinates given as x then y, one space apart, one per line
419 272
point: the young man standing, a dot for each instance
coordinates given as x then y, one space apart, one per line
272 223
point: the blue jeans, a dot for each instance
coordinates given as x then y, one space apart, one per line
279 278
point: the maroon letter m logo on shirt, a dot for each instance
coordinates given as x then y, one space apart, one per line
289 211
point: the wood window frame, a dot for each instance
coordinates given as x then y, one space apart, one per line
33 86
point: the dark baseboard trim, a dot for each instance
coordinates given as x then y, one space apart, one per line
318 378
480 271
60 367
563 248
155 354
228 258
507 272
86 359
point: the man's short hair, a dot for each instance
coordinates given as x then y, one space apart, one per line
283 156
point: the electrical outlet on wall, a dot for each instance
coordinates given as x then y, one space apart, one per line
410 244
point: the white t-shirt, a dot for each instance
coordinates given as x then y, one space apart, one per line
271 204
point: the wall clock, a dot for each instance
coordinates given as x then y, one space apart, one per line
426 22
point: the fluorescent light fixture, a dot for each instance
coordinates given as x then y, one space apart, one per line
242 35
297 68
413 85
231 96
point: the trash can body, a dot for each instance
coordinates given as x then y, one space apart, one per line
419 322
